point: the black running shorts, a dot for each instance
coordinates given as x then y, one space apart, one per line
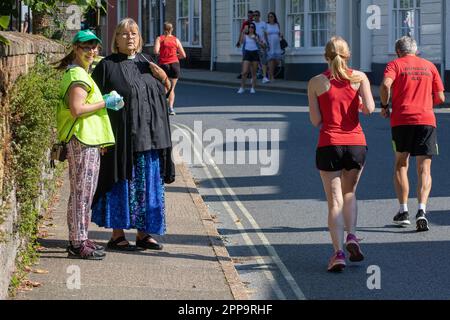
336 158
417 140
252 56
172 70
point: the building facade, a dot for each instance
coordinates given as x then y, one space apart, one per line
370 27
209 30
190 18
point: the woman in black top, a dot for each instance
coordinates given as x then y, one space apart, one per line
130 192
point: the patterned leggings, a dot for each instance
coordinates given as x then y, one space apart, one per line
84 165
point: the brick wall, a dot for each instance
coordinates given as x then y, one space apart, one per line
15 59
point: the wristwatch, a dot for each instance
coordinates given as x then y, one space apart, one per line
384 106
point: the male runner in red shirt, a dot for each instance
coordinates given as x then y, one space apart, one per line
415 86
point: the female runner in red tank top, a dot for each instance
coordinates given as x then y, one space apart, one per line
170 50
335 99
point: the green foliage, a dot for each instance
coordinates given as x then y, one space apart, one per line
32 118
49 6
42 6
33 103
26 257
4 40
4 21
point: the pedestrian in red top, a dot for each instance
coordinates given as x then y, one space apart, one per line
170 51
415 86
335 99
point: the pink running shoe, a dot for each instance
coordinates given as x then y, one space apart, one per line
353 248
337 262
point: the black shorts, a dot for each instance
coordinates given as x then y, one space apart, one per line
337 158
172 70
252 56
417 140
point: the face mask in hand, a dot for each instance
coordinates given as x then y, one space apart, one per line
113 101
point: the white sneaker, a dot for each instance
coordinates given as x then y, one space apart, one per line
252 90
265 80
241 91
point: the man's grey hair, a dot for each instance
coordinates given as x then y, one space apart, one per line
406 45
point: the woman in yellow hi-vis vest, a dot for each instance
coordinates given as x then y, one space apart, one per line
84 125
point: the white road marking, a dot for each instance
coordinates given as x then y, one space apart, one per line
273 254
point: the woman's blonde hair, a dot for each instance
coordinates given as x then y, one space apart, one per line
337 53
126 23
168 28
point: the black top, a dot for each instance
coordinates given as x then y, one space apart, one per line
142 124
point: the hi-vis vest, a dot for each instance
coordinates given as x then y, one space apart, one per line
92 129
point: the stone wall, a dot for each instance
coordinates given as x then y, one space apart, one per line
15 59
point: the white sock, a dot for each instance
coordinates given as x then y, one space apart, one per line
403 208
423 207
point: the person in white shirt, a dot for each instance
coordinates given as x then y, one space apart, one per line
274 53
261 28
251 45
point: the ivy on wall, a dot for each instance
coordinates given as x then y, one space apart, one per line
32 119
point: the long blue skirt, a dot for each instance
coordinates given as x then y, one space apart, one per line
137 203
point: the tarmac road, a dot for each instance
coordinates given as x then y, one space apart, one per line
275 226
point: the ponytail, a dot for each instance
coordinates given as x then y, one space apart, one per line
168 28
337 53
339 70
66 61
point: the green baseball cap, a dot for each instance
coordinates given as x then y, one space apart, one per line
85 36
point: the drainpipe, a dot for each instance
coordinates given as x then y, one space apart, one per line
213 34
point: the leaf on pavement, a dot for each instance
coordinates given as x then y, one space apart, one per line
31 284
40 249
40 271
43 234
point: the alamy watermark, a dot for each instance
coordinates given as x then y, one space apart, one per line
374 279
373 21
73 281
74 20
234 147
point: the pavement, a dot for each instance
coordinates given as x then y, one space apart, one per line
194 264
230 79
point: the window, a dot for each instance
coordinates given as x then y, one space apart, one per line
311 23
240 10
323 21
189 22
406 19
296 21
150 20
122 9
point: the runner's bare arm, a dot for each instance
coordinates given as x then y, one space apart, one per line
181 52
157 46
385 90
77 96
438 98
385 95
366 94
314 112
